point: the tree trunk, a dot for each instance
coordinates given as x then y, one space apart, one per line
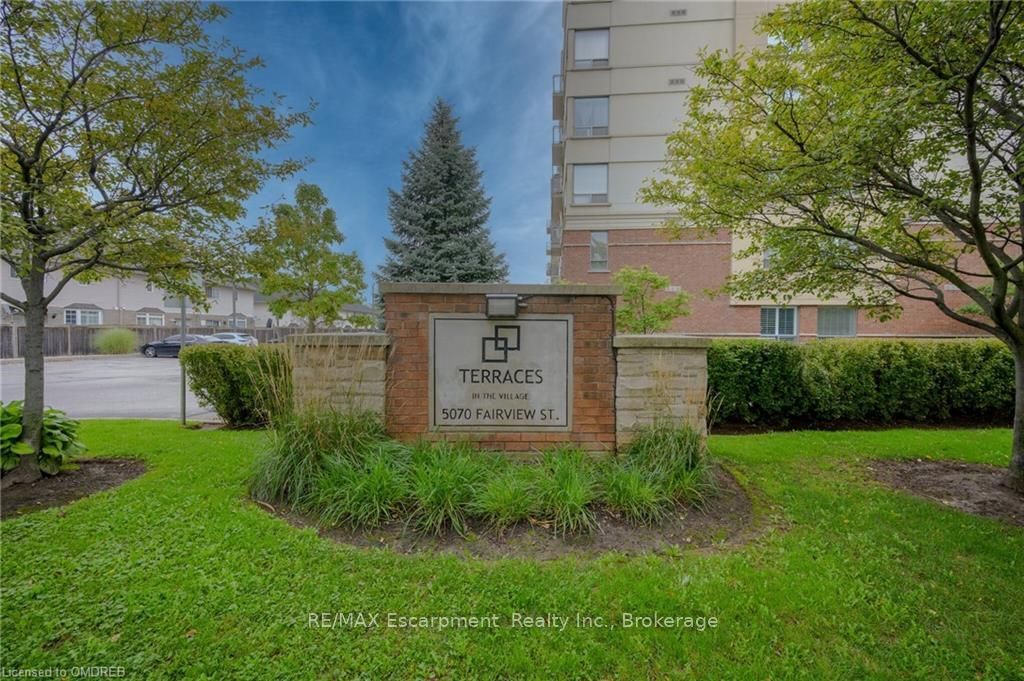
32 416
1015 476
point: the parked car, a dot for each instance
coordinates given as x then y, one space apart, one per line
170 346
235 338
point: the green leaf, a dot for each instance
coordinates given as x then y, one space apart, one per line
10 430
50 466
22 448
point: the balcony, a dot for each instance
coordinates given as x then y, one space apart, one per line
557 145
555 232
554 270
554 238
556 184
557 97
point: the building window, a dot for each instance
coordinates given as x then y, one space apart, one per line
74 317
149 319
212 293
590 116
599 251
778 322
767 257
590 183
837 322
591 48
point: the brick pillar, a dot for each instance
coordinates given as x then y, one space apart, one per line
342 371
660 377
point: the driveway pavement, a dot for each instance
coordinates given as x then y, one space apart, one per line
108 387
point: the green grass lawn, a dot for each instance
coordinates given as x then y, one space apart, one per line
176 575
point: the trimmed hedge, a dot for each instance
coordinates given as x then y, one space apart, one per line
757 382
246 386
774 383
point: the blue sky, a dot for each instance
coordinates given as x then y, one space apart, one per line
374 70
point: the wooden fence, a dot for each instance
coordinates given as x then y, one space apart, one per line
80 340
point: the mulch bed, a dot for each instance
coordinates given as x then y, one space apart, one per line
90 476
969 487
726 520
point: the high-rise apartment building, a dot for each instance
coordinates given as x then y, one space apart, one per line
626 69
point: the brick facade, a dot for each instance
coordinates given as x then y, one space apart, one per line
699 265
407 308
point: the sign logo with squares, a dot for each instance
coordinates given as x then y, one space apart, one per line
504 341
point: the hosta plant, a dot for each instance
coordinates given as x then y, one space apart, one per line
60 439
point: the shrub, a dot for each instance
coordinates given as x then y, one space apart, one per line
566 491
771 382
246 386
59 442
636 495
116 342
508 498
302 443
753 381
445 480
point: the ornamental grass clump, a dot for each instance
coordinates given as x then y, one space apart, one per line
116 342
363 494
302 443
567 490
508 498
675 457
636 495
342 468
445 478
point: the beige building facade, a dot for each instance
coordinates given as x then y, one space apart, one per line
626 70
131 301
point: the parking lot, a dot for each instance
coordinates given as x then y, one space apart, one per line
108 387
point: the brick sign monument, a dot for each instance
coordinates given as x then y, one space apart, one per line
511 367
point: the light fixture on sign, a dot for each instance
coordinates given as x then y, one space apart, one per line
502 305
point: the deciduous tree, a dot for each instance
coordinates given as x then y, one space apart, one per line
644 307
297 262
129 142
875 148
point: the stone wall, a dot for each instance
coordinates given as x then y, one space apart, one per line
339 370
407 308
660 377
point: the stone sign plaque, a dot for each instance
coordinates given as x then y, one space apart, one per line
500 374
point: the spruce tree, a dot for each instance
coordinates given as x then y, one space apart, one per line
439 218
